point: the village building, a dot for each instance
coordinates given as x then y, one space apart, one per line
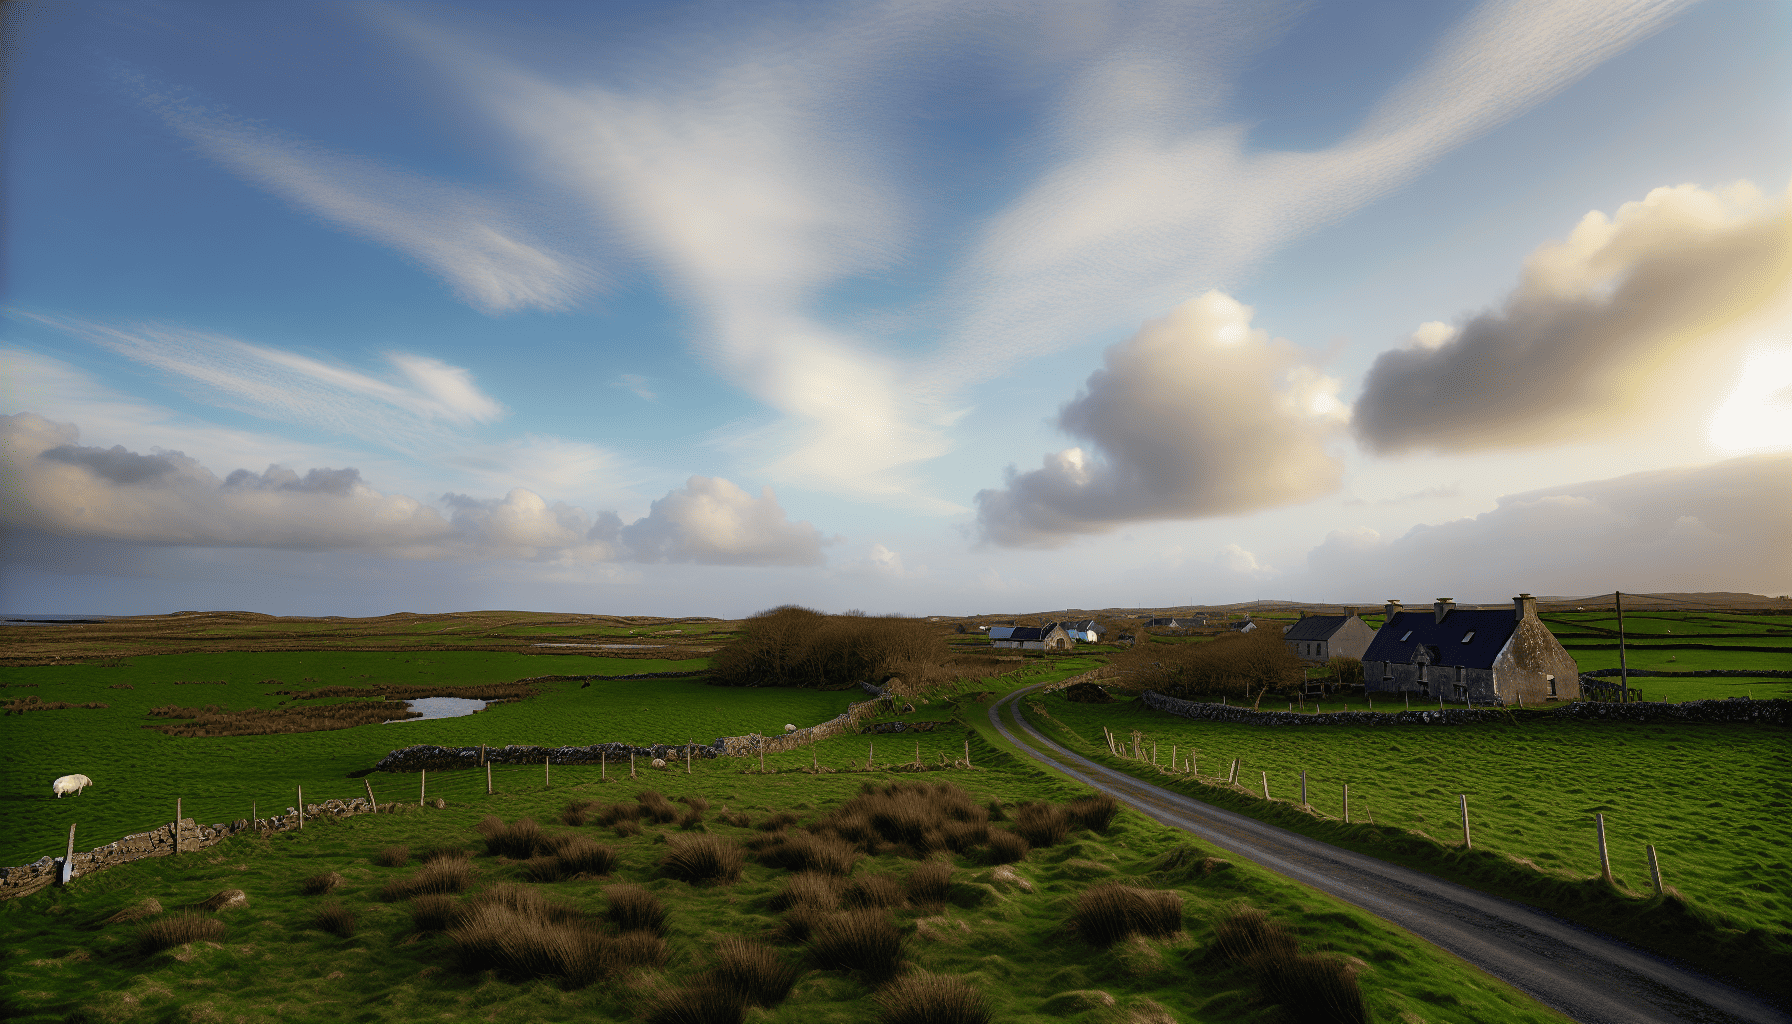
1178 622
1323 637
1243 627
1034 638
1085 631
1495 656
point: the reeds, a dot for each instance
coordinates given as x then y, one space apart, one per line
524 938
777 821
317 885
1112 911
702 1004
631 908
703 858
739 819
923 998
695 803
393 856
435 853
866 941
336 919
442 876
178 929
571 857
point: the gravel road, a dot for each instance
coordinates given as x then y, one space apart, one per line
1589 977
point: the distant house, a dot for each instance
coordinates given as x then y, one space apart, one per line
1497 656
1000 632
1322 637
1246 626
1180 622
1034 638
1086 631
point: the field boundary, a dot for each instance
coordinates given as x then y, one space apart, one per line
1756 712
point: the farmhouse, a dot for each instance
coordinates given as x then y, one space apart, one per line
1087 631
1497 656
1180 622
1321 637
1243 627
1034 638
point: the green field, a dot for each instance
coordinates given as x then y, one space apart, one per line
139 772
1013 947
1710 798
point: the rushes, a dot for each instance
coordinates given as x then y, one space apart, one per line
1313 987
634 909
866 941
576 811
703 858
656 808
808 889
177 930
824 854
777 822
572 856
317 885
928 883
442 876
931 999
1094 813
336 919
753 971
1040 824
873 892
393 856
435 912
1006 847
527 939
517 840
1112 911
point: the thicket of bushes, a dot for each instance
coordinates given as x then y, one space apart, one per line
1233 665
793 646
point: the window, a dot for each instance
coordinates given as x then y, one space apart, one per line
1466 637
1552 686
1407 637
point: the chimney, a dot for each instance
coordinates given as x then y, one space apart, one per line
1390 610
1442 607
1524 606
1350 613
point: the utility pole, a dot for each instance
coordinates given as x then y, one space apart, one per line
1623 672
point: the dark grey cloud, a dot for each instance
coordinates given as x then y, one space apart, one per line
114 463
1196 415
1615 322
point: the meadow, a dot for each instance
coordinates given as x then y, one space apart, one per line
1006 935
1710 798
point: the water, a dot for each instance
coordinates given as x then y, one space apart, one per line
440 707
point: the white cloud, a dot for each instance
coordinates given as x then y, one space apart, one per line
1756 416
483 249
1196 415
1239 562
1628 319
58 486
1721 526
636 385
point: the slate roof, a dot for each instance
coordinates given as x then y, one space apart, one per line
1027 633
1084 626
1000 632
1316 627
1492 628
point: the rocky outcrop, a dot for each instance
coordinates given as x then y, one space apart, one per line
1768 712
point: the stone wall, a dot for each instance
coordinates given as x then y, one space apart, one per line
159 842
1715 673
1768 712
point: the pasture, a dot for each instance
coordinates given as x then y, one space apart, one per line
1011 941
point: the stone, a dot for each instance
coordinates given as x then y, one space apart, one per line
229 899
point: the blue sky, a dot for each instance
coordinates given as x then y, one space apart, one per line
909 306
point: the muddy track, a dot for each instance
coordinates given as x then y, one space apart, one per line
1590 977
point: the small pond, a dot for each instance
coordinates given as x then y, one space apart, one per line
440 707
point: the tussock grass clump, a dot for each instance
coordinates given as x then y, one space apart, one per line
626 827
799 923
442 876
1112 911
753 971
393 856
522 937
336 919
435 853
825 854
435 912
928 883
317 885
1094 813
777 821
1041 824
866 941
695 803
808 889
656 808
178 929
923 998
996 811
136 912
1006 847
703 858
517 840
1314 987
700 1004
964 836
634 909
691 820
739 819
572 856
576 812
641 949
873 892
610 814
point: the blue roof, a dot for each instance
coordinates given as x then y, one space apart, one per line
1402 634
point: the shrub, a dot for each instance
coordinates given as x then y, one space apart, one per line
923 998
517 840
791 646
811 853
336 919
928 883
866 941
1094 813
703 858
576 811
393 856
702 1004
1111 911
808 889
656 807
177 930
1006 847
523 938
777 822
317 885
873 891
1041 824
443 876
753 971
435 912
634 909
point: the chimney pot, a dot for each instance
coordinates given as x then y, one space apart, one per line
1524 606
1391 609
1442 607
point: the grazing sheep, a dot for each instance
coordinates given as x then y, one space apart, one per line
70 784
789 728
659 762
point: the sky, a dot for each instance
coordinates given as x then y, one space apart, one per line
909 306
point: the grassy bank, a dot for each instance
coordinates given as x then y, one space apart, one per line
1710 798
1014 947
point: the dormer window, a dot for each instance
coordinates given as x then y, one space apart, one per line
1407 637
1466 637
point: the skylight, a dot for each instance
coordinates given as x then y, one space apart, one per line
1407 637
1466 637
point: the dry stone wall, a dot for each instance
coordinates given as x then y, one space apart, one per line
1766 712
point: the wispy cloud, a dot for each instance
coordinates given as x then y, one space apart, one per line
636 385
484 248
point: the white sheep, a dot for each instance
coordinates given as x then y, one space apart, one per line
659 762
70 784
788 728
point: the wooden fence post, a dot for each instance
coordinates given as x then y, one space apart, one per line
631 764
67 874
1605 859
1654 865
1303 790
1266 785
762 755
371 805
1173 762
870 754
917 753
967 751
603 766
1154 753
1346 803
1466 843
813 763
687 756
422 784
488 778
547 775
177 817
481 753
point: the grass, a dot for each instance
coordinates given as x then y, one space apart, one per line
561 952
1710 798
932 999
